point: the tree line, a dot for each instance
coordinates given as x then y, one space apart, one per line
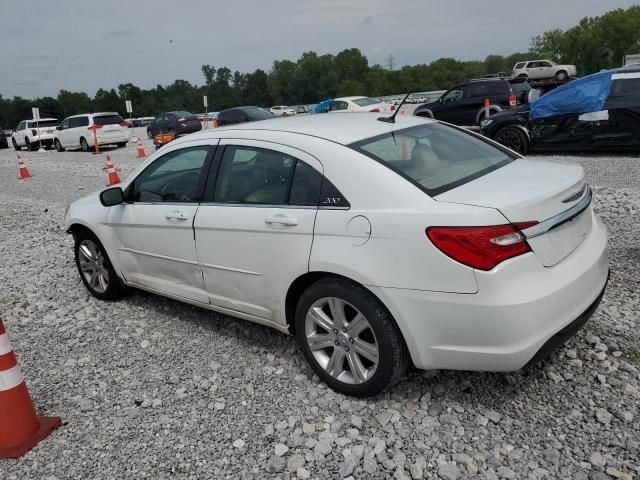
595 43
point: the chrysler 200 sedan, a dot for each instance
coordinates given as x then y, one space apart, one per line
376 244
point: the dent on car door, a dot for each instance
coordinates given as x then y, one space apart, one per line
254 229
559 131
153 230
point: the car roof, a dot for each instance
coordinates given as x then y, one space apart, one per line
352 98
96 114
42 119
344 128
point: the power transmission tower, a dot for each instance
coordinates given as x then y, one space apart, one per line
390 62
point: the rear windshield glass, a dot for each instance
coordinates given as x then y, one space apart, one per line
363 102
434 157
107 119
43 124
257 112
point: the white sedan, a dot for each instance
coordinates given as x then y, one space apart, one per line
375 244
282 110
360 104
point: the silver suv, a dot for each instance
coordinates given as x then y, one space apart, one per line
543 69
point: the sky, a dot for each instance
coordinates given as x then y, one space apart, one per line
86 45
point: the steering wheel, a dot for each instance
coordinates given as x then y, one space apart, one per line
186 186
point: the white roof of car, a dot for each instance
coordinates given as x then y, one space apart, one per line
96 114
42 119
346 99
345 128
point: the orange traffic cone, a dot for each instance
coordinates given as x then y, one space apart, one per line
24 173
215 122
114 178
21 429
141 153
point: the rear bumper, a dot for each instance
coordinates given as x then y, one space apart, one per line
119 137
521 310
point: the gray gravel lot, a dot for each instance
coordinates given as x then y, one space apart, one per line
152 388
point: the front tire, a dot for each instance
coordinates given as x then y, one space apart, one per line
58 145
84 145
349 338
513 138
95 268
16 147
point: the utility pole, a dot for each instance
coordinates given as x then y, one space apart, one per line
390 62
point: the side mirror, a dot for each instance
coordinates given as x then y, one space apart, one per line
441 100
112 196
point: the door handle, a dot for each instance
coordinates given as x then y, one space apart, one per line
282 220
177 216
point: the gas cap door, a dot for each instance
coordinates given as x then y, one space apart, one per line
359 230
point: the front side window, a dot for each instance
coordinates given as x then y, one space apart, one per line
452 95
435 157
339 105
174 177
251 175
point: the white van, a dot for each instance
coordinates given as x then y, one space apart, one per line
77 131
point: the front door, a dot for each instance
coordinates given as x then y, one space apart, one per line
254 229
154 229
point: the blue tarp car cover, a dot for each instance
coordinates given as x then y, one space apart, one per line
322 107
586 94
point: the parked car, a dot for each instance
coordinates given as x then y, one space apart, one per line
597 112
539 69
31 134
174 123
243 114
448 258
464 103
301 109
360 104
144 121
282 110
77 131
4 142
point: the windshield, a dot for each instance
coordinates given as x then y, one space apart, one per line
107 119
364 102
185 114
43 124
434 157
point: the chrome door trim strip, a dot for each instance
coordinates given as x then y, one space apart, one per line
557 220
155 255
229 269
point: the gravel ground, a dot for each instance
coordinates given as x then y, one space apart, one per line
152 388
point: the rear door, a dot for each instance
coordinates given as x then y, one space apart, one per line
154 230
254 229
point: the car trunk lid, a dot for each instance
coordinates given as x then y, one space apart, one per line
554 195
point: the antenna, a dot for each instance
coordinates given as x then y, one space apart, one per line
392 118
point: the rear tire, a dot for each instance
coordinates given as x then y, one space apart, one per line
84 145
94 266
32 147
16 147
341 347
513 138
561 75
58 145
122 144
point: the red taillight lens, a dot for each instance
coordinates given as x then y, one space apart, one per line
512 100
480 247
95 125
375 110
123 124
34 132
393 107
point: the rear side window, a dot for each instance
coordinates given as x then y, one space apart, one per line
363 102
484 89
108 120
434 157
78 122
519 66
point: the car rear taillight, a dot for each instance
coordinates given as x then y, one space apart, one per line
34 132
512 100
95 125
377 110
481 247
393 107
123 124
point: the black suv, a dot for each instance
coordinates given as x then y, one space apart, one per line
464 103
177 123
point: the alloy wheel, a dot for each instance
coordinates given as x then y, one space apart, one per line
92 265
341 340
511 139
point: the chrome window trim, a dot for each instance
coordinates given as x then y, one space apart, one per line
557 220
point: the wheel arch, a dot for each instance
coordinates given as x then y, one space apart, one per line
425 112
492 109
